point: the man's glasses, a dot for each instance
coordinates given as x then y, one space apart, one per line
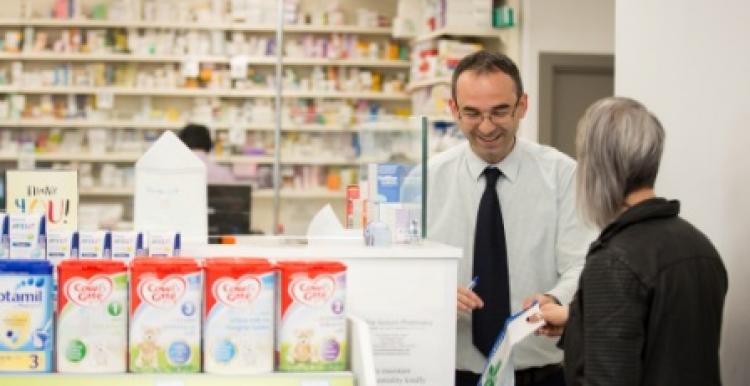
496 117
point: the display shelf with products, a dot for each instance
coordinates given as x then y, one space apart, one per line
269 61
447 31
130 66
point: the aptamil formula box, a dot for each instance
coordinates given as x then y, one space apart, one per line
61 245
164 244
165 315
4 241
92 316
312 332
26 316
95 245
239 313
127 245
27 236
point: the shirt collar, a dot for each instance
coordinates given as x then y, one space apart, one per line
509 165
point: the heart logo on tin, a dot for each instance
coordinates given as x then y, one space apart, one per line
237 293
89 292
313 292
164 293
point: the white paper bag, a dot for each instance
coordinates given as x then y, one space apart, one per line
170 190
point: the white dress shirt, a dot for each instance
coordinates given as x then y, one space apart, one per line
546 241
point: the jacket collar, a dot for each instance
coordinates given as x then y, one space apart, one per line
650 209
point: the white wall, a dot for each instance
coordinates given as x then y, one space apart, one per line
687 61
563 26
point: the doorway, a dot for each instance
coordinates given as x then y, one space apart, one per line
568 84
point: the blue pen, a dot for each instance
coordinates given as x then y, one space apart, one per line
473 283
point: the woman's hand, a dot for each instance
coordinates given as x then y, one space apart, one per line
555 317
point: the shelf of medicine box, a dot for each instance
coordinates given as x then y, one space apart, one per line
45 123
305 194
120 158
465 32
253 60
226 26
224 159
361 359
428 83
199 92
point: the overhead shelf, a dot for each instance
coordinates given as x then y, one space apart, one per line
386 126
226 26
230 159
427 83
254 60
477 33
198 92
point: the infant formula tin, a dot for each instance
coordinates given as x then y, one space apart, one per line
26 316
312 333
165 315
92 331
239 316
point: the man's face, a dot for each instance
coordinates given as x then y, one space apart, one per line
488 111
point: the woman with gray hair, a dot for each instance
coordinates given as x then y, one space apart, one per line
649 304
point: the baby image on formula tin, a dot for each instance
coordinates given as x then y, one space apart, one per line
26 317
165 317
239 316
312 323
92 316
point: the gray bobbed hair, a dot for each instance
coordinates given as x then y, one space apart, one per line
619 146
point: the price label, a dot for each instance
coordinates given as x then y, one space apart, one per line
314 383
169 382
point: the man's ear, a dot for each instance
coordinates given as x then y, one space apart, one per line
523 105
454 108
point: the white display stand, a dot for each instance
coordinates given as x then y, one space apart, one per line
405 293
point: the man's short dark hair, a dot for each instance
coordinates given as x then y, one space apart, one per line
483 62
196 136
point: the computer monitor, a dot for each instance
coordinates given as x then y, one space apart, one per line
229 208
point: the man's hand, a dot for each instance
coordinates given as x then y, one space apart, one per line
468 300
542 299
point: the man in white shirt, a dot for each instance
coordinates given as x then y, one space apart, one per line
536 245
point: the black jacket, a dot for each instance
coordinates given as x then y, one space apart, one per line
649 305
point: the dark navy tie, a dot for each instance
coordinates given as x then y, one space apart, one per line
490 267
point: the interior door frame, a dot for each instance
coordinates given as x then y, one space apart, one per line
551 63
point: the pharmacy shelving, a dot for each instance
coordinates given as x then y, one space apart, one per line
476 33
385 126
200 92
298 194
261 193
276 379
253 60
231 159
222 26
428 83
